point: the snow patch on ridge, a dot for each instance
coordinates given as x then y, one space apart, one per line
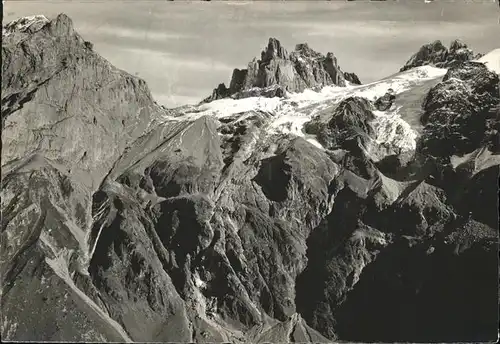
227 107
198 282
399 82
24 23
293 123
391 129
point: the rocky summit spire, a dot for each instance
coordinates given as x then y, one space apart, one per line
437 54
278 71
274 50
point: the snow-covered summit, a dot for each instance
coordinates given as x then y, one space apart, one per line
33 23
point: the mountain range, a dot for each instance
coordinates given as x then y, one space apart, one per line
295 205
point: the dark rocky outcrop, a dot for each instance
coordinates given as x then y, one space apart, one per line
122 221
352 78
438 55
347 125
278 69
385 102
67 115
458 110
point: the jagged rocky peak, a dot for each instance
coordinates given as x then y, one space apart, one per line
32 38
304 50
437 54
279 71
61 25
274 50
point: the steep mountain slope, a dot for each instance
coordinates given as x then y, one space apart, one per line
67 115
344 212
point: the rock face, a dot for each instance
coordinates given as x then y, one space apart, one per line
55 88
346 127
278 71
458 109
437 54
352 78
122 221
385 102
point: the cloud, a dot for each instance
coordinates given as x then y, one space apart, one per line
238 3
143 33
378 29
158 60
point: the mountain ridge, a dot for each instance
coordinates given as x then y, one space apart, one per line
437 54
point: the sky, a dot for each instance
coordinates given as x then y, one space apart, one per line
183 49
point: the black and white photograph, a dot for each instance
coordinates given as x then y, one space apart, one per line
236 171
